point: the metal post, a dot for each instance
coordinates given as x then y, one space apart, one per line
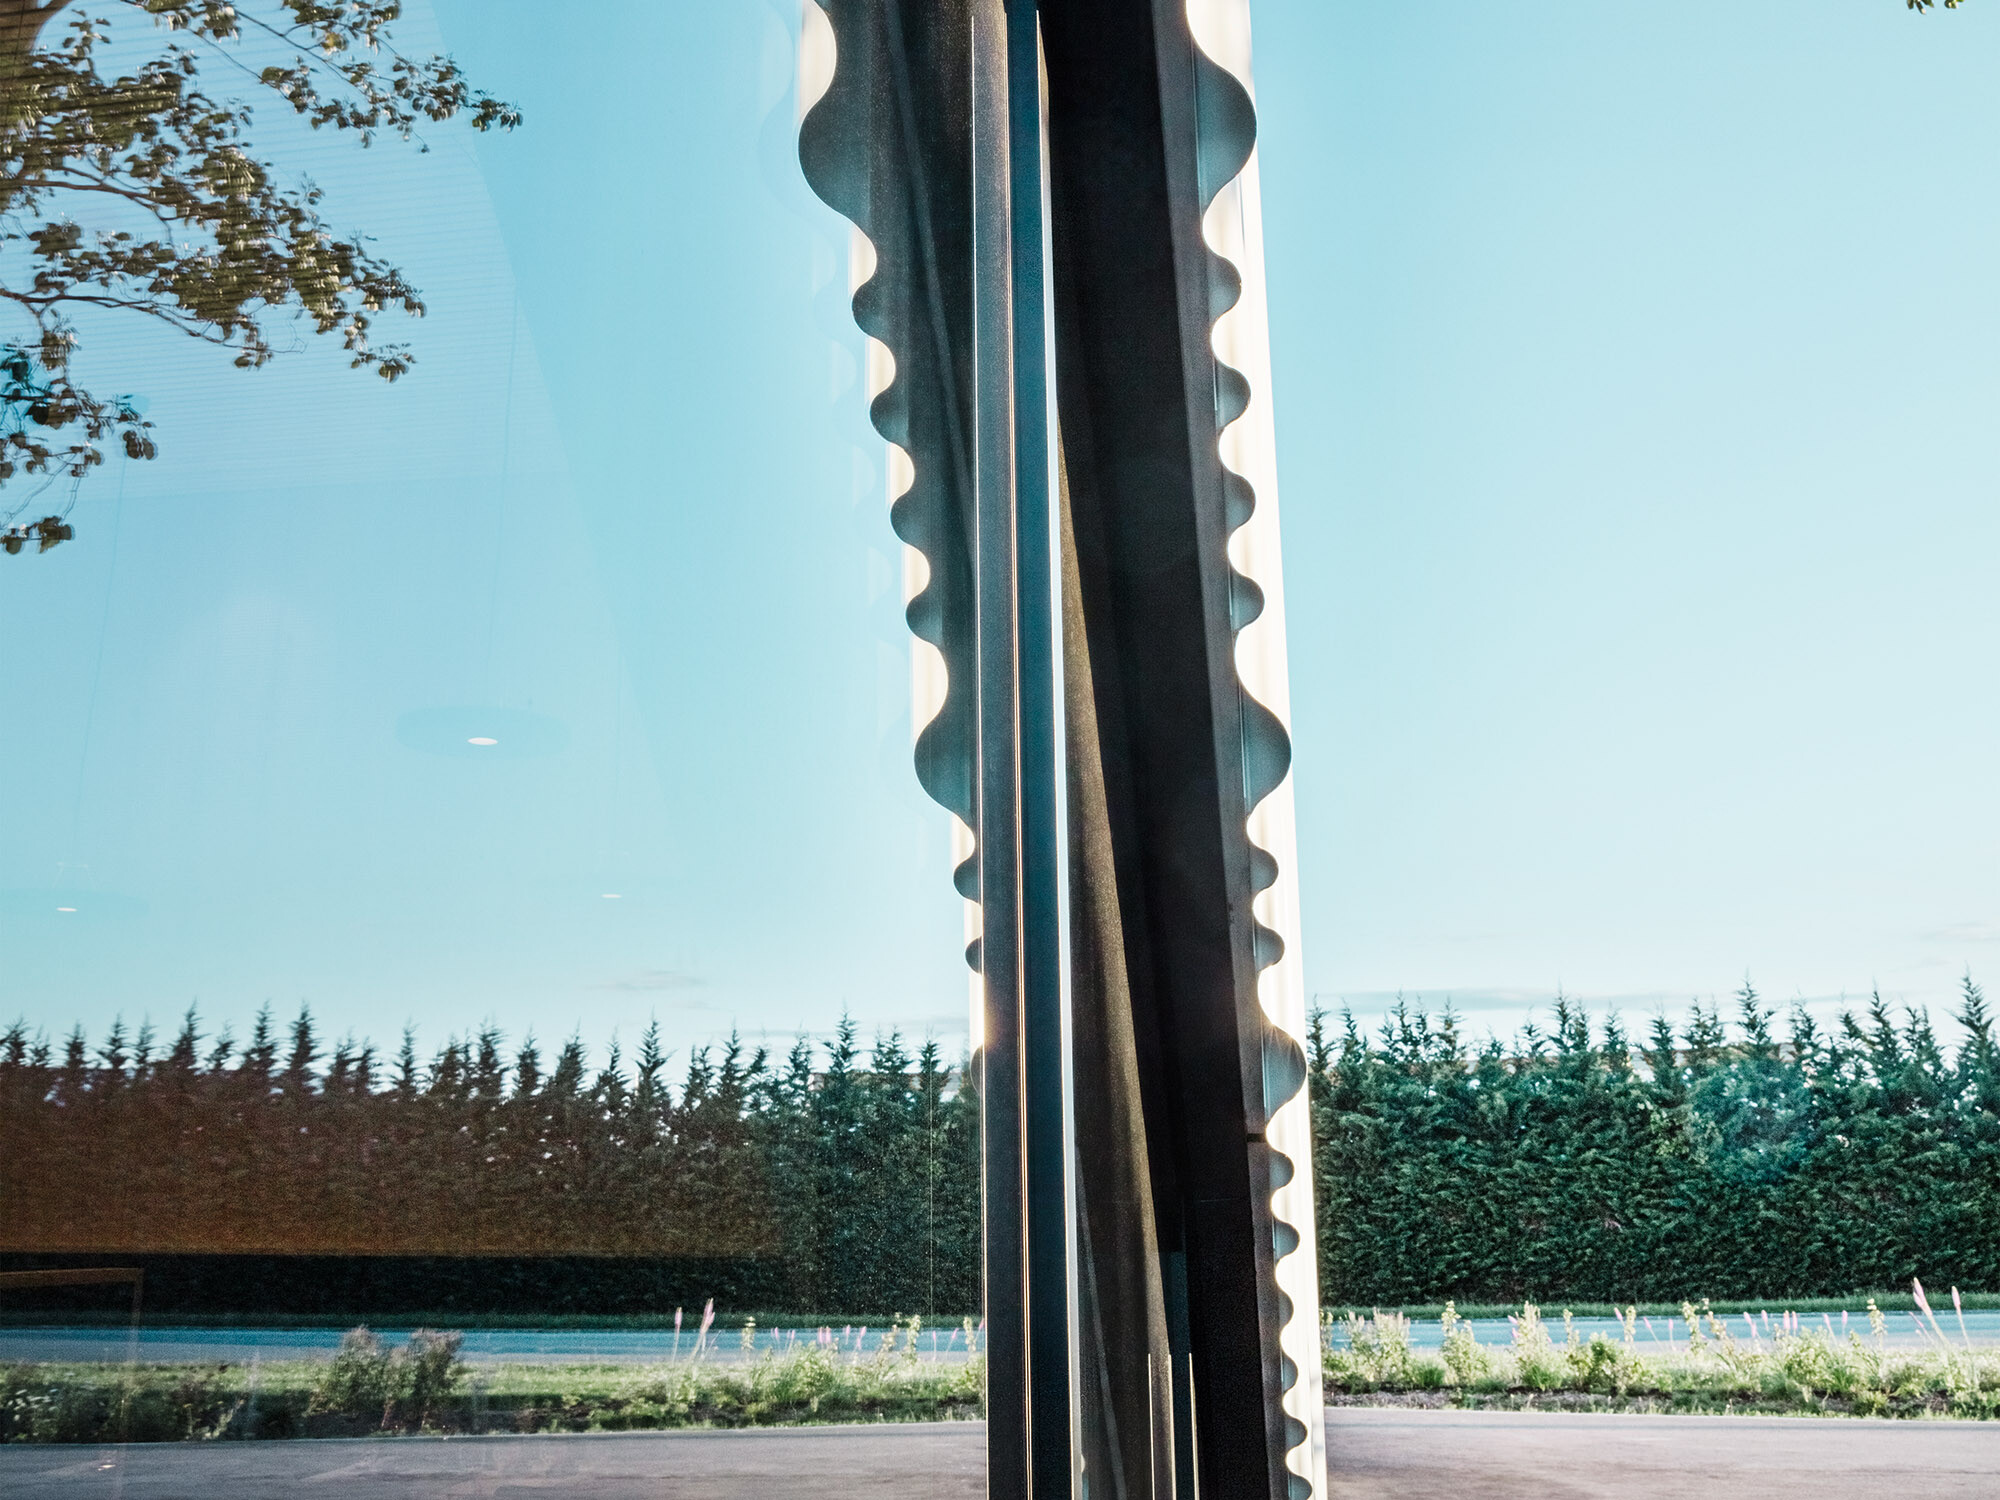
1002 1165
1029 1438
1044 1109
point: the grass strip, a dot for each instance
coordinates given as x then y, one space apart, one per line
1794 1369
422 1386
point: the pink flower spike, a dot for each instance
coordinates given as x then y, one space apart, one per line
1957 1306
1917 1287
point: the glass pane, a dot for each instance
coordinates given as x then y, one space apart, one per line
1633 369
474 834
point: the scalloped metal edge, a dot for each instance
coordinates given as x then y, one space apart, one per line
1232 227
834 162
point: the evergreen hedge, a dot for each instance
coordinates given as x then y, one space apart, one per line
1578 1166
1569 1164
275 1178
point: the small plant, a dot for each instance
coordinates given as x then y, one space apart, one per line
1537 1364
806 1378
1601 1365
1380 1347
424 1372
1465 1362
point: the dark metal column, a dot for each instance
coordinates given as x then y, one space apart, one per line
1002 1162
1027 1167
1044 1107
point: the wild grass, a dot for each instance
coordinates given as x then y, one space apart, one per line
422 1386
1800 1365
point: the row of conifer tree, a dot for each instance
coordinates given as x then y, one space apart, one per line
1757 1160
836 1177
1568 1162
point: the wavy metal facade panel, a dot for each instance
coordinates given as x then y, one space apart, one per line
1195 1327
1233 225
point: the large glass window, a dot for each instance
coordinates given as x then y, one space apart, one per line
467 821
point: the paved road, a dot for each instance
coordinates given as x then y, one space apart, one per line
1377 1455
238 1346
1420 1455
822 1463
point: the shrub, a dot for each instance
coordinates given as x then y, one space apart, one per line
367 1381
1601 1365
356 1383
1379 1349
424 1372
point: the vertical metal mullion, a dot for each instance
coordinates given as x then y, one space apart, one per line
1029 1428
1006 1285
1044 1109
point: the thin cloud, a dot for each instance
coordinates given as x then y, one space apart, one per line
653 980
1965 932
1464 1001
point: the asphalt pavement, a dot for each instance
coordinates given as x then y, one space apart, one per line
536 1346
1390 1454
1376 1455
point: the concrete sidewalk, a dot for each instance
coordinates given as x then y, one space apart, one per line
1377 1455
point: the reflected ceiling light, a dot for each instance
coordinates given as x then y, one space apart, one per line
484 731
65 908
613 896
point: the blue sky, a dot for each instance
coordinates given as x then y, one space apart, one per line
1634 376
1635 368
